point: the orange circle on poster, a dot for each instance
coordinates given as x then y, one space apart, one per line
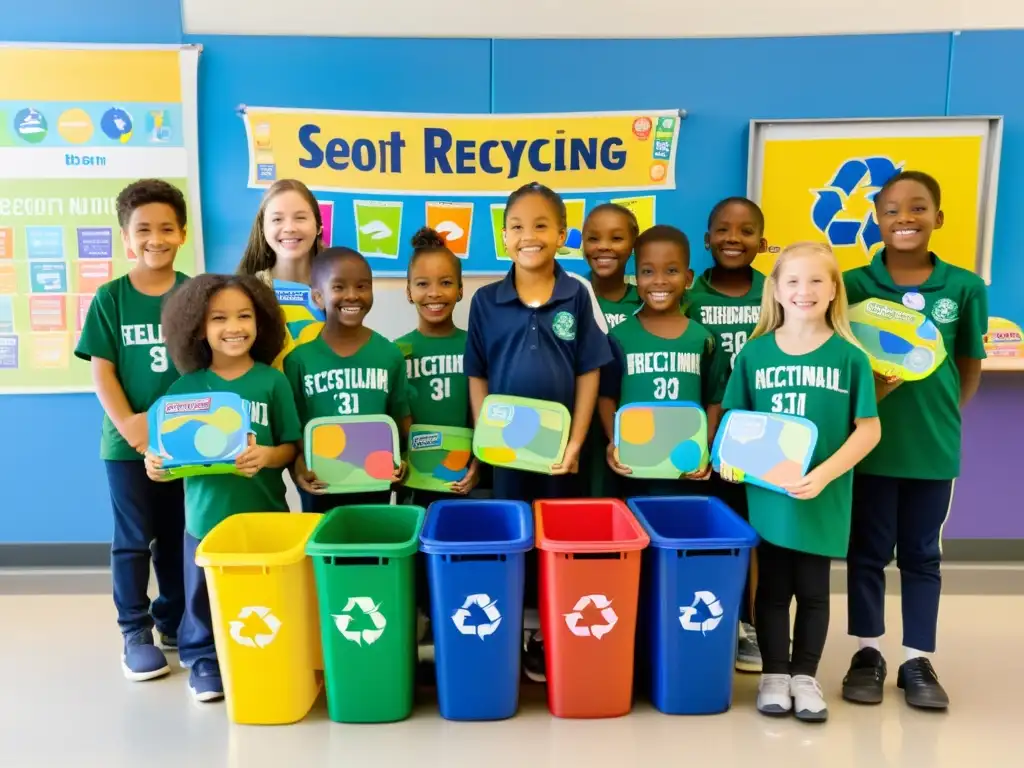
380 465
636 426
658 171
328 441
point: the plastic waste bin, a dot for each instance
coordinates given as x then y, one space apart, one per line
364 561
696 568
263 606
589 583
476 565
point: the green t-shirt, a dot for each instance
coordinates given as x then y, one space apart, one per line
123 327
438 388
646 368
921 419
209 499
617 312
730 318
368 383
831 386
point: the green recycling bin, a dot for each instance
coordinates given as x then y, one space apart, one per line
364 561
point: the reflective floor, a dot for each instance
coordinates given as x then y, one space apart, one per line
63 701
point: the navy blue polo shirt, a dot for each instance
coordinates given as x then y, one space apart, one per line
534 351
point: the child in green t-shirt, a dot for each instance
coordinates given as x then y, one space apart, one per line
348 370
223 333
802 360
123 340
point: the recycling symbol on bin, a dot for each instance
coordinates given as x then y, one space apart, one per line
707 603
490 609
370 609
837 208
600 602
256 627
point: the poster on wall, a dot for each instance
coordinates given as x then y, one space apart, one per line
385 174
816 180
77 124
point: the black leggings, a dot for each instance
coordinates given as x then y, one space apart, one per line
782 575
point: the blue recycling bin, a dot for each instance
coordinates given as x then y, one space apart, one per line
476 555
695 571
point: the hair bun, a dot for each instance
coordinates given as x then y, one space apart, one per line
427 238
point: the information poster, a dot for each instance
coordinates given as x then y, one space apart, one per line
389 174
76 126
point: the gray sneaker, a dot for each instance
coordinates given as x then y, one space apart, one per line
808 700
773 696
748 654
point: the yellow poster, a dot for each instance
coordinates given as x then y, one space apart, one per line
412 154
822 189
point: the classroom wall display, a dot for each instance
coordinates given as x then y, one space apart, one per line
816 180
77 124
388 174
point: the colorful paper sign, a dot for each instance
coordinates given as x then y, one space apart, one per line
6 243
95 243
454 222
378 228
327 217
497 230
8 278
93 274
50 350
642 207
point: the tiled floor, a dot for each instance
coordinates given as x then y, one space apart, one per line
63 702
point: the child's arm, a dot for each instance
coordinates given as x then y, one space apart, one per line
582 413
737 397
606 408
134 427
285 429
970 378
477 394
970 340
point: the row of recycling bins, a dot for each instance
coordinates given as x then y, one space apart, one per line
299 601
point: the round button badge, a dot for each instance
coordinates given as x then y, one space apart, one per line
913 300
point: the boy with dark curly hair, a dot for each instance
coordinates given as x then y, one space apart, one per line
123 341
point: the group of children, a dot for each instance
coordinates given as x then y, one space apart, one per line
731 339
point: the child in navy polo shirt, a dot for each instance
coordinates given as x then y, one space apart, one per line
534 334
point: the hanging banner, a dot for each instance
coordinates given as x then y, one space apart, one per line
77 125
422 154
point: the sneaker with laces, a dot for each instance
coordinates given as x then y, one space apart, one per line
773 695
808 701
141 660
748 653
533 656
865 680
204 681
918 680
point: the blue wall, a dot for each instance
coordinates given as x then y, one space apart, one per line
57 492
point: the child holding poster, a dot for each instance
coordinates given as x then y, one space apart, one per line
123 340
903 490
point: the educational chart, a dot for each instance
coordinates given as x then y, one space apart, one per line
385 175
76 126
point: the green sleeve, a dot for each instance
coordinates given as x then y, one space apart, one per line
399 394
714 372
855 292
285 426
737 393
100 334
293 376
973 323
182 386
862 387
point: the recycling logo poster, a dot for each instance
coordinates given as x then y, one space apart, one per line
823 189
385 175
76 126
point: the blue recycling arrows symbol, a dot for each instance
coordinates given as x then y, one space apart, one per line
830 201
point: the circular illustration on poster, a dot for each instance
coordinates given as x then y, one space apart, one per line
75 126
30 125
117 124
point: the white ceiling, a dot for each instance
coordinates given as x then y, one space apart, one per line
592 18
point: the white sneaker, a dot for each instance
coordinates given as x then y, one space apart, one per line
808 701
773 696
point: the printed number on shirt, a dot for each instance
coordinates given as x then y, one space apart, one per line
158 363
441 388
789 402
666 389
348 403
732 343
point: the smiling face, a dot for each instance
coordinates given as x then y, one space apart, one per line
735 237
907 216
533 232
434 286
346 293
805 286
662 274
289 226
230 323
154 235
608 242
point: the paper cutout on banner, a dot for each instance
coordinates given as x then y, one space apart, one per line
327 217
8 278
93 274
47 313
51 350
454 222
6 243
644 208
7 314
574 214
378 228
497 225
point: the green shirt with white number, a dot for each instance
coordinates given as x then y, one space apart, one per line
438 388
618 312
921 426
123 327
209 499
730 318
370 382
831 386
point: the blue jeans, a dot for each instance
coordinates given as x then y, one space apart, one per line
195 640
149 519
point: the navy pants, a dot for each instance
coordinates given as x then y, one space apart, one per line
892 513
149 519
195 639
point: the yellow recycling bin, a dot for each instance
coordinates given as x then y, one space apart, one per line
264 610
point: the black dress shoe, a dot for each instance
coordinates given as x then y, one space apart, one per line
865 679
918 679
